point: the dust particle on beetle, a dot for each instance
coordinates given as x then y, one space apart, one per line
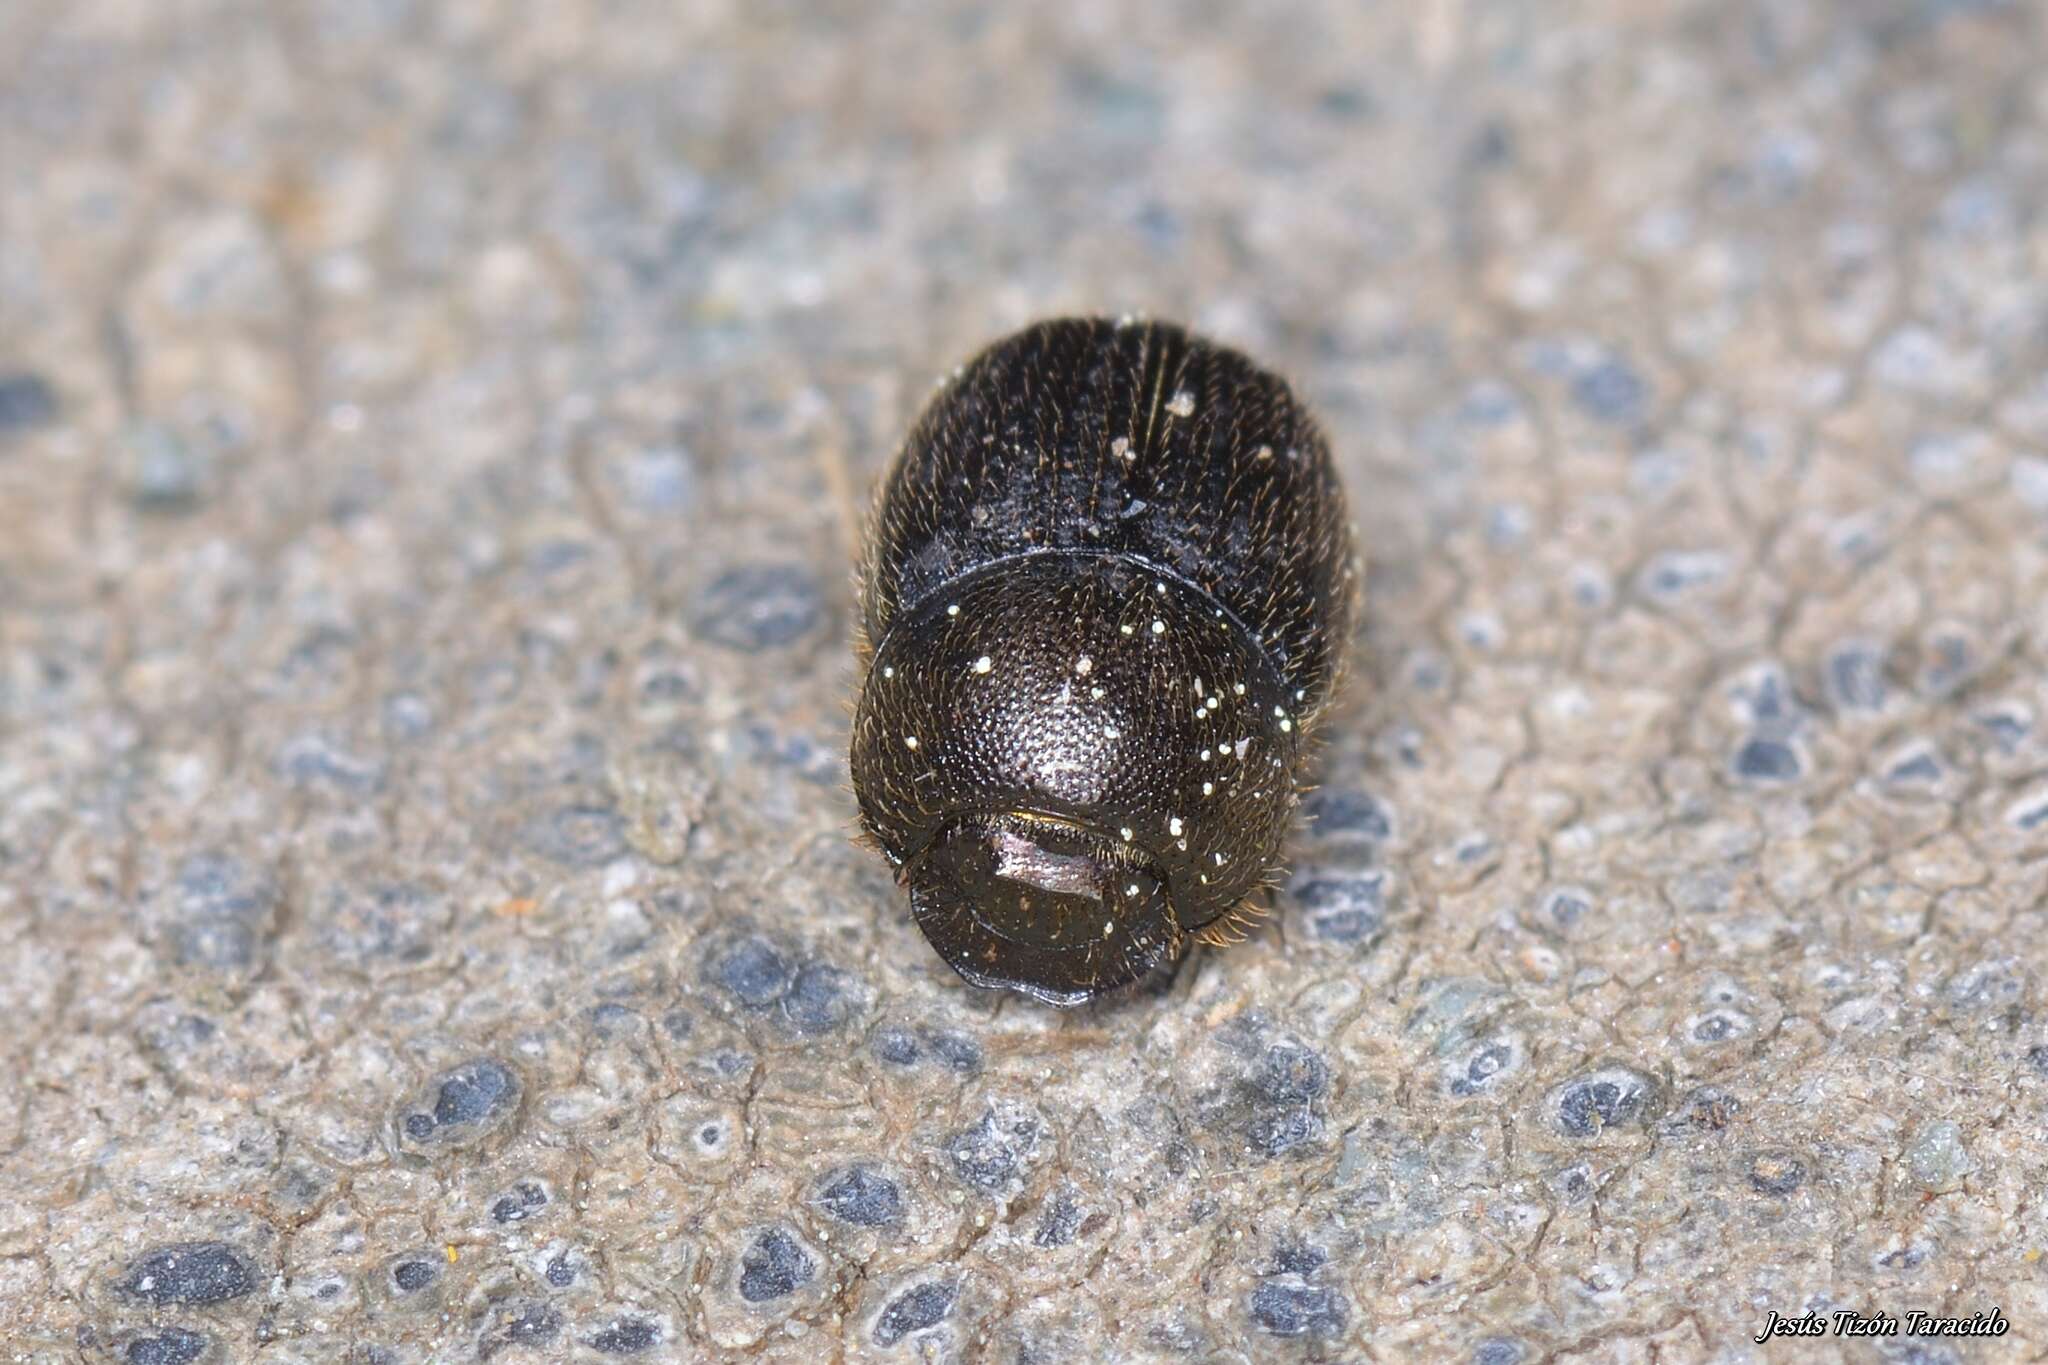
1086 518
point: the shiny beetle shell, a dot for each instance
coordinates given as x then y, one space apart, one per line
1107 591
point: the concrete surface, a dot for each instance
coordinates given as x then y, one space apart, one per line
428 440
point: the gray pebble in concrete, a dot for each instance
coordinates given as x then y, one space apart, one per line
758 607
1855 678
754 972
1610 1098
223 913
1767 761
169 1346
1937 1158
917 1309
190 1274
1060 1220
1611 391
1776 1173
1289 1306
992 1154
26 401
530 1323
860 1196
460 1107
1341 908
626 1335
775 1265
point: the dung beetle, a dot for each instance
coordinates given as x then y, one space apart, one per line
1106 594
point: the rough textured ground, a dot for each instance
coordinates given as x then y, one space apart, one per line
428 441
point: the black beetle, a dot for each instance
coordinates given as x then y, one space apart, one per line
1108 587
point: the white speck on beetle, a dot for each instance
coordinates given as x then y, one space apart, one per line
952 608
1182 404
1173 825
1208 789
1159 627
1121 448
1237 688
1207 754
1097 693
910 740
1126 831
1125 629
1242 745
1264 452
1286 725
984 664
888 671
1083 664
1109 926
